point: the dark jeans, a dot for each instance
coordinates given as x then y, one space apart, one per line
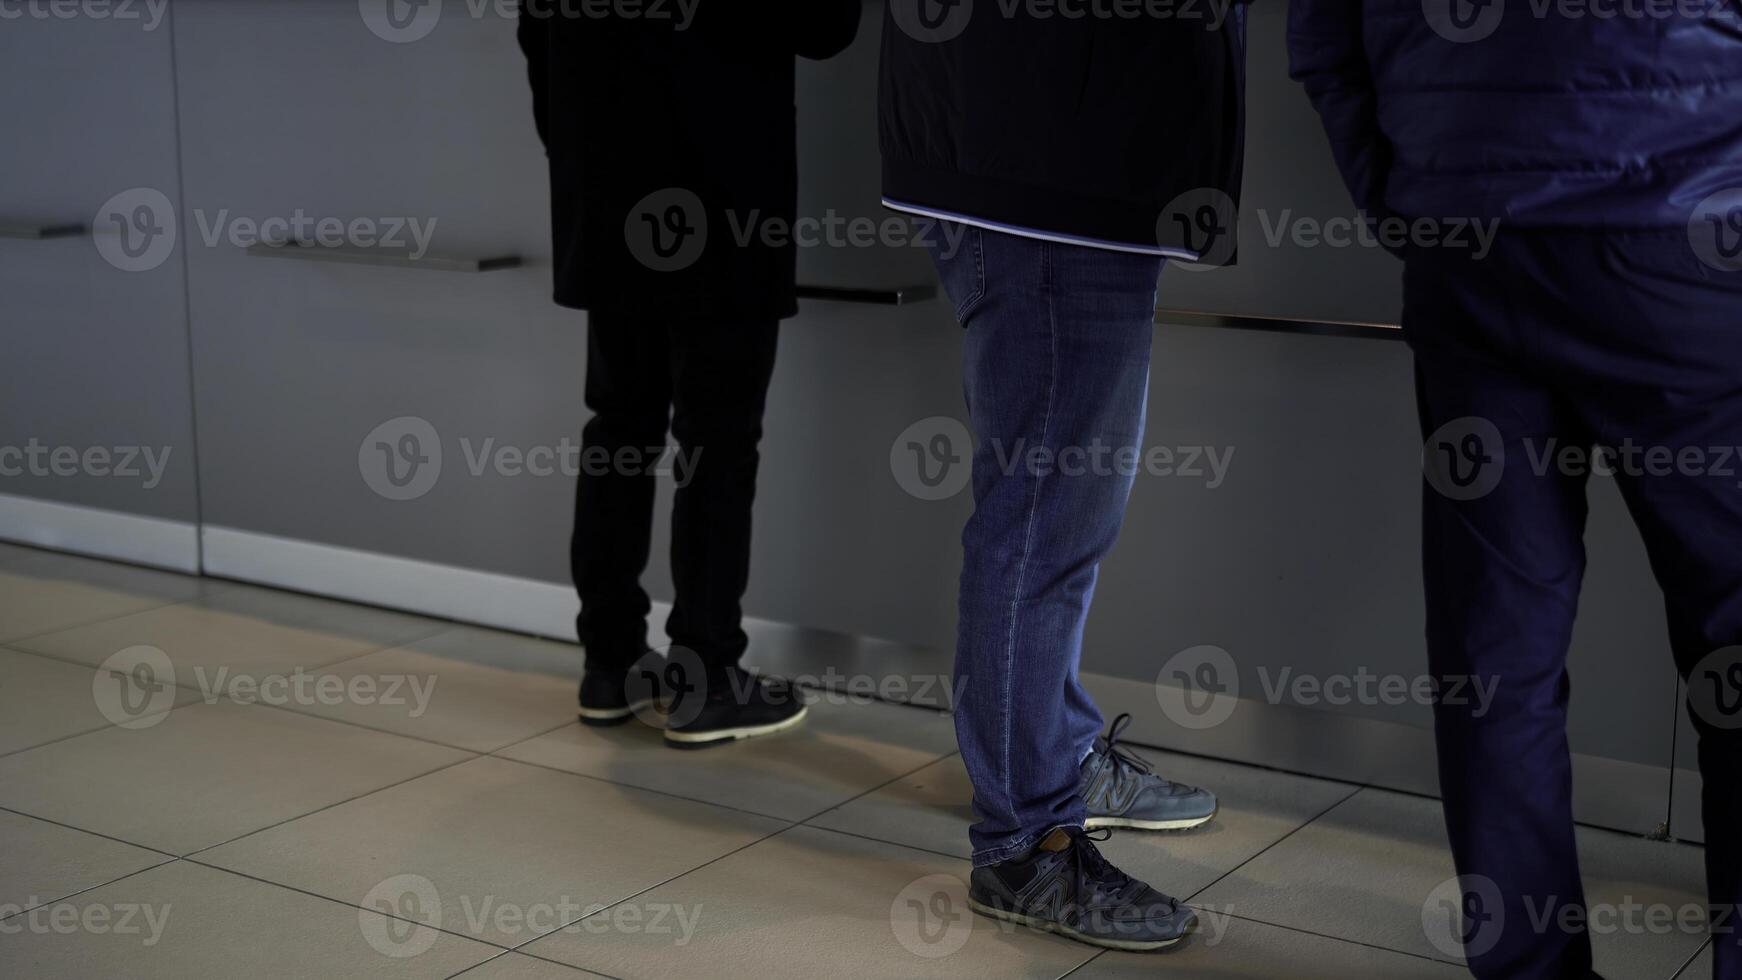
1562 340
710 379
1056 371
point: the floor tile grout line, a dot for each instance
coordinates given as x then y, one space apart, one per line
640 789
221 585
1273 844
1690 961
353 906
101 884
1337 939
883 840
665 881
1092 958
322 809
790 825
94 833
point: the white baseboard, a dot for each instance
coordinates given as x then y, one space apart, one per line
484 598
155 541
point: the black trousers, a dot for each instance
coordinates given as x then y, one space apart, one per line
707 380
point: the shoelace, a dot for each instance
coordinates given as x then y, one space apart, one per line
1094 870
1124 757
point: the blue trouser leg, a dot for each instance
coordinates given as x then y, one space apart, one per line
1056 373
1622 340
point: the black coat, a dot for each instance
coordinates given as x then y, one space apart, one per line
652 125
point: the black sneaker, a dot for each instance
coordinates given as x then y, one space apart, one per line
732 706
604 701
1064 885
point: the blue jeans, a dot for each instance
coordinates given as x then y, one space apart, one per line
1056 371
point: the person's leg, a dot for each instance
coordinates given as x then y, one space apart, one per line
720 375
1056 369
629 393
1665 395
1503 559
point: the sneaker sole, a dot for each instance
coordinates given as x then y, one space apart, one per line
1130 823
697 740
1047 925
607 717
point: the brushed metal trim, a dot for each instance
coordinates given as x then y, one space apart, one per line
359 256
874 296
1278 324
37 233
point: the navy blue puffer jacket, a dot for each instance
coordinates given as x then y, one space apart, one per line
1556 113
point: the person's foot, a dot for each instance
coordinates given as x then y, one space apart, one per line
605 700
734 706
1121 790
1064 885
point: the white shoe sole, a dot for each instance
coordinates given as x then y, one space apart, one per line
1131 824
734 734
1047 925
611 714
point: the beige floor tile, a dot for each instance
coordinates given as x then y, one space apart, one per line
841 750
811 903
207 773
241 635
1364 871
497 850
181 921
1226 948
930 809
41 862
513 966
56 592
472 688
42 700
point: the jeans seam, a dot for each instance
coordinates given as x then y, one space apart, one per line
1006 727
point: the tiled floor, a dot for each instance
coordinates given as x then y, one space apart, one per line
207 779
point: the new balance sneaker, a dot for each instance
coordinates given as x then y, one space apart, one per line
1064 885
1121 790
733 706
605 700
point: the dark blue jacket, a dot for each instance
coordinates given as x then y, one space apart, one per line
1519 111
